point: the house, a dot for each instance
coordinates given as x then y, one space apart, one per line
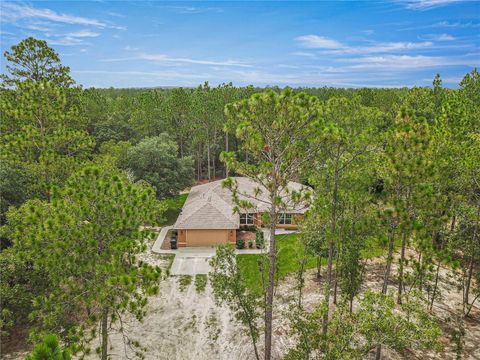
207 217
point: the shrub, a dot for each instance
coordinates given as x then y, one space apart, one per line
240 243
50 349
250 244
259 239
248 227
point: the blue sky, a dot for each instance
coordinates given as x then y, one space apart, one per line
315 43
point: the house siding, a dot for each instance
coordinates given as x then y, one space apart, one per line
208 237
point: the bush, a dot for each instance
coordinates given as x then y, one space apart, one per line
250 244
240 243
49 350
259 239
248 227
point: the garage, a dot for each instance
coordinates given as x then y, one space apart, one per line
206 237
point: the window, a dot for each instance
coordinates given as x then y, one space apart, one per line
246 219
285 219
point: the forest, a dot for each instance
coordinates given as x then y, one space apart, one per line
87 177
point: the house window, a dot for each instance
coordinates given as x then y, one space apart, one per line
246 219
285 219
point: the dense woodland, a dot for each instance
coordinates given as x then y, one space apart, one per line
85 173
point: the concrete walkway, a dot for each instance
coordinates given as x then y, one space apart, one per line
192 261
157 247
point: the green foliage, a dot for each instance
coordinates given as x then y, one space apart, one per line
34 60
16 186
87 241
49 349
229 287
259 239
155 161
353 335
240 244
200 282
42 129
173 207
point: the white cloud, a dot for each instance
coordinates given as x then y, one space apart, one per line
65 41
462 25
426 4
406 62
303 53
192 9
165 58
438 37
330 46
381 48
368 31
82 34
173 75
318 42
12 12
162 58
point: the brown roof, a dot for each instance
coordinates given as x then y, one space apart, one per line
210 206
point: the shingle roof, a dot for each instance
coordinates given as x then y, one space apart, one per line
210 206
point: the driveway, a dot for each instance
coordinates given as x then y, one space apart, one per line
192 261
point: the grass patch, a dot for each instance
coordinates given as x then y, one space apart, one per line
184 281
169 258
174 206
290 251
200 282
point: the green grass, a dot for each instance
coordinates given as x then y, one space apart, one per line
174 206
184 281
200 282
170 258
290 251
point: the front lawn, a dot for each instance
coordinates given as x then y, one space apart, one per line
290 251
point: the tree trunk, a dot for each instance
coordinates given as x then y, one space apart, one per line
439 262
388 267
271 281
319 266
400 269
469 281
402 255
208 160
331 245
104 345
226 149
214 170
470 265
435 287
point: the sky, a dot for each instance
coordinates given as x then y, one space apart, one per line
391 43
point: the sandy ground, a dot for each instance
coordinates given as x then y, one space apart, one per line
183 324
